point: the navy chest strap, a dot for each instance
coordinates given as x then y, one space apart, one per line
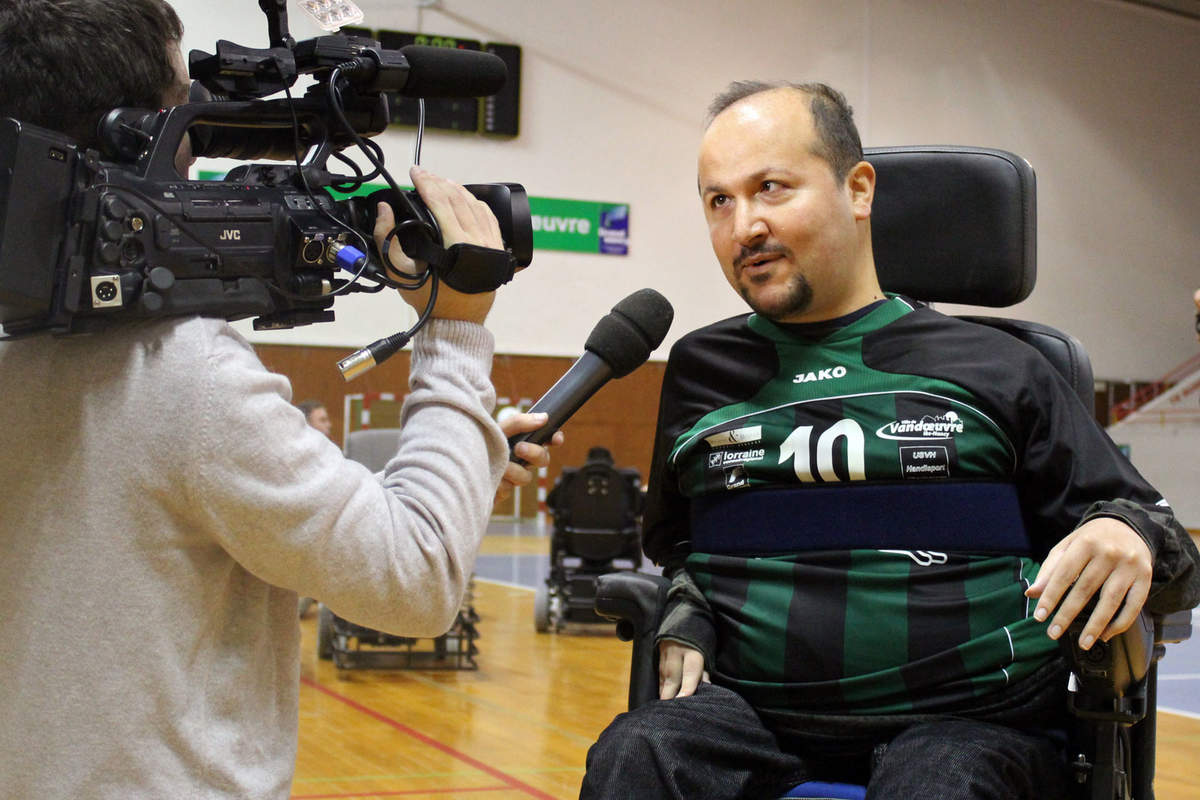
968 517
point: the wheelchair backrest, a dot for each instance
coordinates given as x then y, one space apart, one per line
596 496
959 225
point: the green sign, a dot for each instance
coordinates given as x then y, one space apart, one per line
581 226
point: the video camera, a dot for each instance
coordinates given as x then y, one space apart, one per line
91 237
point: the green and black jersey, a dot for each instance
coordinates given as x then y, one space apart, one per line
863 510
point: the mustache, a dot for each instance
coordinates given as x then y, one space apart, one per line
747 254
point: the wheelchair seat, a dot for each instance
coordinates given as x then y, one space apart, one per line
958 225
820 790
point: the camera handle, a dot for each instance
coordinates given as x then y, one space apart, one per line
467 268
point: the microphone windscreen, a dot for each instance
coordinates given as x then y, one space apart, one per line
449 72
625 337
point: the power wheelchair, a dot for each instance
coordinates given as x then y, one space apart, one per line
958 225
597 529
352 646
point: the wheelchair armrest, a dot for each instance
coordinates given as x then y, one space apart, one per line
1172 628
635 601
1108 682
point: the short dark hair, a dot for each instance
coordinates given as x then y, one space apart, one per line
599 454
838 142
68 62
309 406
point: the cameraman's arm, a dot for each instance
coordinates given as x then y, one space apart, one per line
462 218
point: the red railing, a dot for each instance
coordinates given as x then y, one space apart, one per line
1152 390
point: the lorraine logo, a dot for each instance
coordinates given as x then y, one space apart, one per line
927 427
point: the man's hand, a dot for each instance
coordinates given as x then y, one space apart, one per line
462 218
680 670
1104 556
535 456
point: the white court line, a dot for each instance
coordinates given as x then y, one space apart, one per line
1182 676
1178 711
508 584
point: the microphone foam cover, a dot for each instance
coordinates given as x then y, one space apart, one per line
449 72
625 337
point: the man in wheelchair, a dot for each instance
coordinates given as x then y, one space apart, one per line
877 519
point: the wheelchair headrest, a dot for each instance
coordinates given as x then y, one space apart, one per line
373 447
954 224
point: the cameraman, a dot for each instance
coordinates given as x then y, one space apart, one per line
164 503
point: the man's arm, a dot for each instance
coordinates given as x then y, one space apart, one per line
1104 558
1125 548
686 639
393 553
1126 555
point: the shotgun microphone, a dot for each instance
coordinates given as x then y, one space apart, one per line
620 343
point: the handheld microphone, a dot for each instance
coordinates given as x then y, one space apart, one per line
620 343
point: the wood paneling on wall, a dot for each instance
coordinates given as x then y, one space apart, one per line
621 416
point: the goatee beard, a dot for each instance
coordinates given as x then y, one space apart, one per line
797 300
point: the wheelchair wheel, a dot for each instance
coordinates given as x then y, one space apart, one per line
541 608
324 632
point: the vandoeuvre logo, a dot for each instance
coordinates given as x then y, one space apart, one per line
923 429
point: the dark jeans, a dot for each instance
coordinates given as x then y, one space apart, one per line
712 746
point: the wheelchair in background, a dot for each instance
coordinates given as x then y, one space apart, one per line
958 225
597 530
352 646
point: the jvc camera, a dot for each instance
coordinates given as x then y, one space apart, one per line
89 237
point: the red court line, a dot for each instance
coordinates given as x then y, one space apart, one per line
434 743
396 794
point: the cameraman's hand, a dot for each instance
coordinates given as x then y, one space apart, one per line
462 218
535 456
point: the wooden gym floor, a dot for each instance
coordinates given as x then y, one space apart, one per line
520 725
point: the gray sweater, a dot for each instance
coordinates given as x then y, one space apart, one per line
162 506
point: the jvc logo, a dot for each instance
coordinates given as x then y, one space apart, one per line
231 235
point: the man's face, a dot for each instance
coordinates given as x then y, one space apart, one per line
782 225
319 419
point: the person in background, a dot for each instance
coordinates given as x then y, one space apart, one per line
316 415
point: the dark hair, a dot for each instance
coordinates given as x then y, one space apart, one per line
309 406
65 63
599 454
838 142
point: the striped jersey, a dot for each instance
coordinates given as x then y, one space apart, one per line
863 510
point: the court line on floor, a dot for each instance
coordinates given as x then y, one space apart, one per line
400 792
506 584
511 782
